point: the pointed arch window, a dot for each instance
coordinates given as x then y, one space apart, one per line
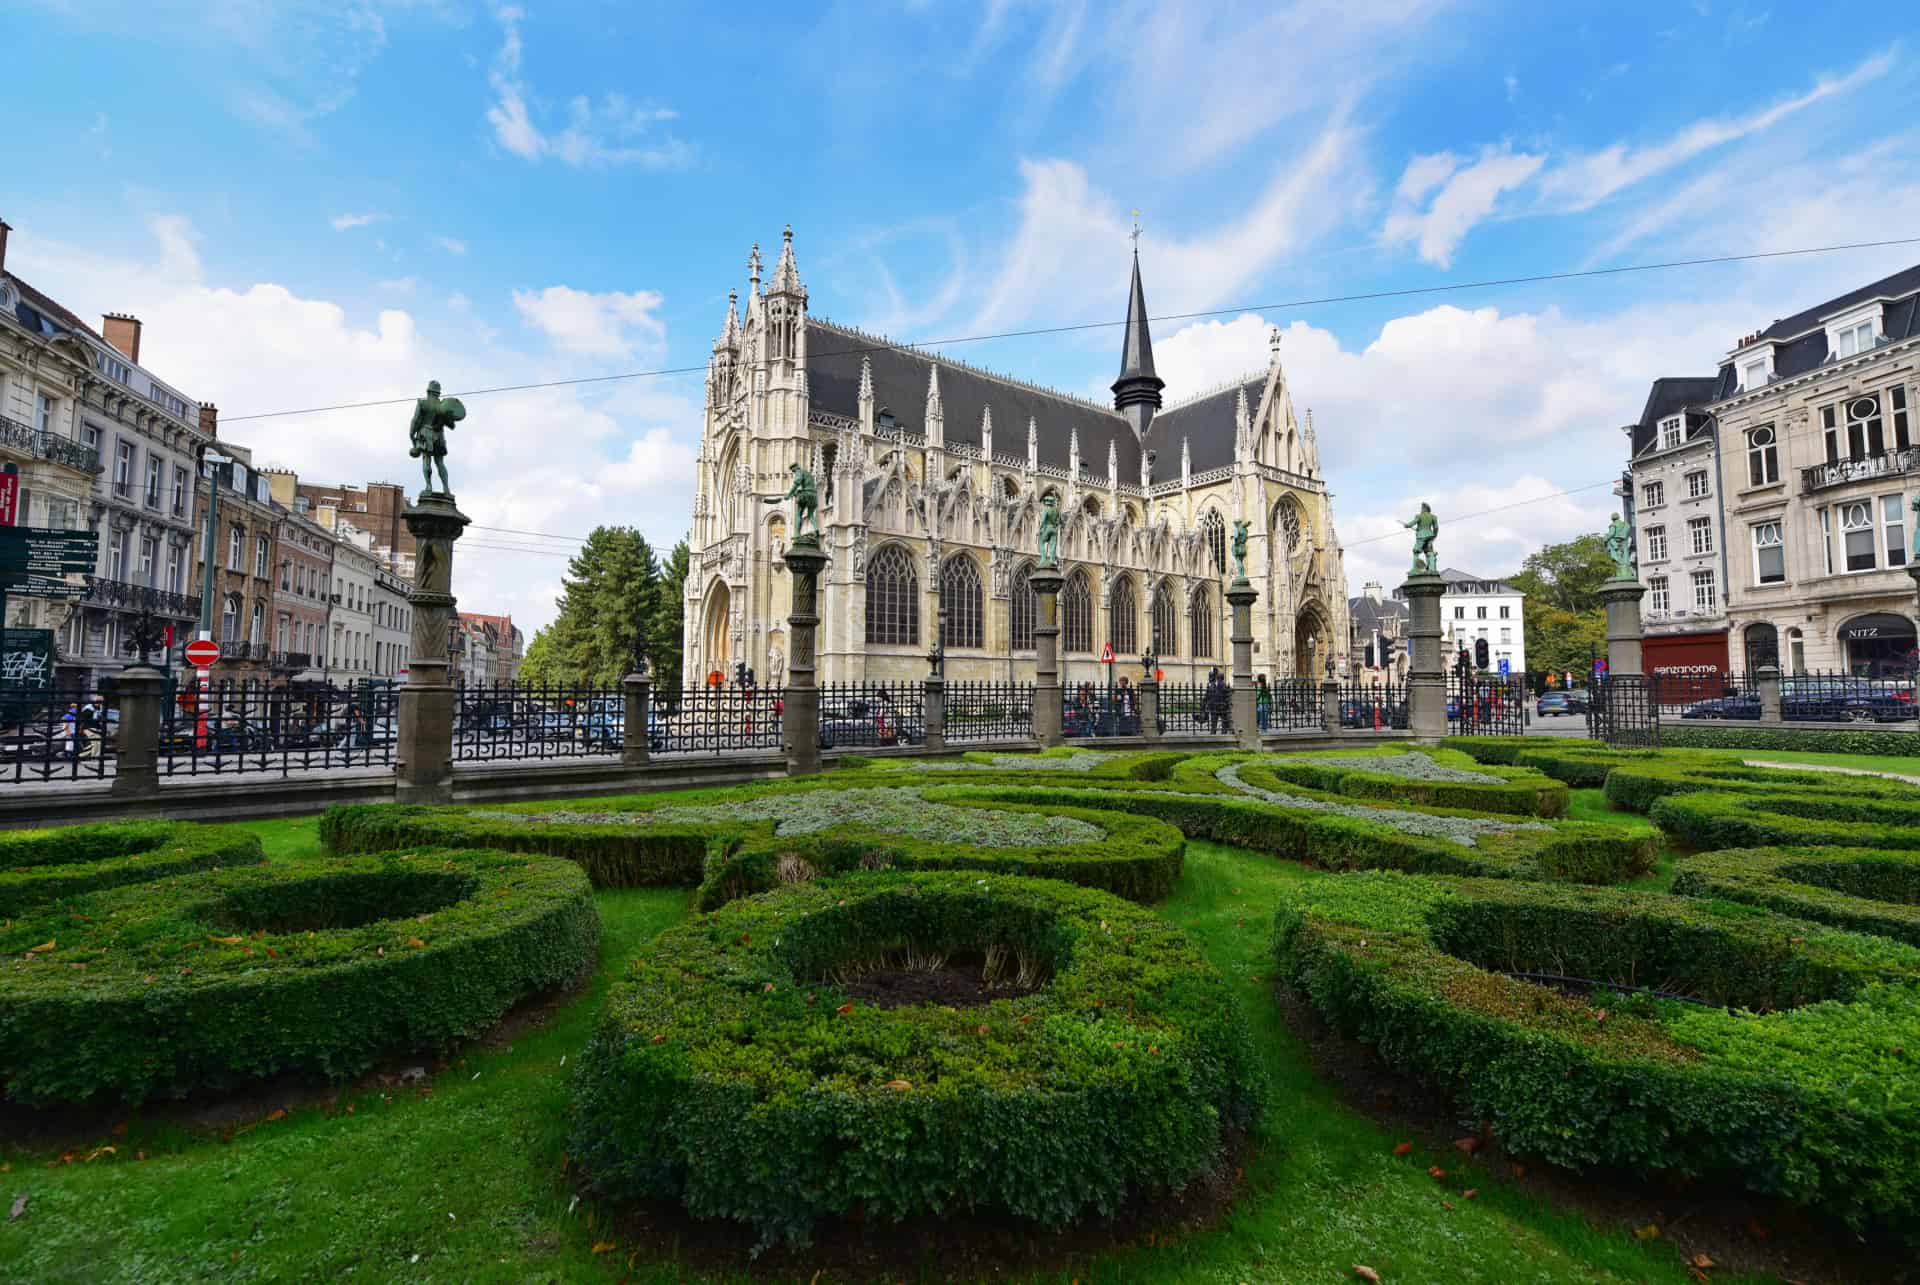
1123 617
960 602
1214 527
1200 623
1024 608
1076 613
893 598
1164 641
1290 524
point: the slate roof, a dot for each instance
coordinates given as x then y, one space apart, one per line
1670 395
1453 576
1207 424
1366 614
33 307
1801 339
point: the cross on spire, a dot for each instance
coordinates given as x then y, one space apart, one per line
1136 231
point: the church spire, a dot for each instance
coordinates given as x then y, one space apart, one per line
1136 394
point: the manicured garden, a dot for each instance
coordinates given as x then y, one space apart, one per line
838 1026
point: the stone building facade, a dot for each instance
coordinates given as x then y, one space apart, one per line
931 474
246 526
1673 496
392 624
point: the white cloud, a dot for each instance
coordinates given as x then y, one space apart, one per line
594 325
398 285
1513 88
614 131
346 222
450 245
1463 196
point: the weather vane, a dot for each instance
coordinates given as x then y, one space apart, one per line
1136 231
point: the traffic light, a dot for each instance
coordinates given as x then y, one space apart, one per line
1370 664
740 673
1480 653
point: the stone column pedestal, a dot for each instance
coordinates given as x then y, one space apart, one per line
800 717
423 754
1623 626
1046 582
1767 679
1330 706
1426 671
934 708
142 691
1150 708
1246 731
634 734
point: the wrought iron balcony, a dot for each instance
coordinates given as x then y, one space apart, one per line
102 592
43 445
292 660
240 649
1864 468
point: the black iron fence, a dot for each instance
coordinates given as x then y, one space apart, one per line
1822 696
1196 709
56 735
1097 710
1486 705
537 721
713 720
871 715
1378 704
243 727
1625 711
989 712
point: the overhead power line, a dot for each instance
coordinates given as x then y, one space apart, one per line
1321 301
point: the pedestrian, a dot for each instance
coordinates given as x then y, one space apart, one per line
1126 708
883 719
69 724
92 715
1262 702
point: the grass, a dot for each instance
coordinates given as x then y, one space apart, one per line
1904 764
467 1182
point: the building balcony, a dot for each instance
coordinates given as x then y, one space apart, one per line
1865 468
292 660
240 649
102 592
1685 618
47 446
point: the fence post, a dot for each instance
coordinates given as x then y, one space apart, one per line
141 693
1150 707
1046 582
1246 728
933 709
800 715
1767 677
1330 706
423 754
634 735
1426 674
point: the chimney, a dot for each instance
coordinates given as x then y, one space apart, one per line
1372 590
4 229
209 415
123 332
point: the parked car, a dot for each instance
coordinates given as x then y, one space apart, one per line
1553 705
866 722
1577 701
1362 714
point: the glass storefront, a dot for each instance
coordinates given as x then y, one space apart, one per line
1879 645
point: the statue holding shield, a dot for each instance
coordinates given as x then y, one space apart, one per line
433 415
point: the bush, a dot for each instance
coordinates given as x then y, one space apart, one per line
210 979
731 1073
1815 1101
1580 768
1368 774
44 865
1806 740
1860 889
1634 786
614 854
1705 820
1505 750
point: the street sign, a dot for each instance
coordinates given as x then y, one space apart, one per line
1599 667
51 590
1106 654
9 498
1506 667
202 652
46 551
26 658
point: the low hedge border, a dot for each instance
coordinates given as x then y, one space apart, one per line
210 979
1819 1104
1087 764
726 1073
1706 820
1861 889
614 856
1809 740
1504 751
1514 792
45 865
1635 787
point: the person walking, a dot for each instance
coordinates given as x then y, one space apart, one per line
92 715
1262 702
69 725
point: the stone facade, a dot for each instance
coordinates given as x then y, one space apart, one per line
1672 497
246 562
392 624
1475 608
302 600
931 474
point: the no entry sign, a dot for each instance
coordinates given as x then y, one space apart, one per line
202 652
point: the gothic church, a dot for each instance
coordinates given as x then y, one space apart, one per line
930 474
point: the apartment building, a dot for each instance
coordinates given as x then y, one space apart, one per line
245 522
1477 610
1673 498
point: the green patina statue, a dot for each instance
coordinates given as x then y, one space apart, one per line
1619 542
1426 529
433 415
1049 531
1240 528
806 504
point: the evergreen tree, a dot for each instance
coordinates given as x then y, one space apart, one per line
611 587
668 626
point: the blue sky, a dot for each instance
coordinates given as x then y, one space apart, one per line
318 203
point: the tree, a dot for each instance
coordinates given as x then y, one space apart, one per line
668 629
1559 641
1567 576
611 589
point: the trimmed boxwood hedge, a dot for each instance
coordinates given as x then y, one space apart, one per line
614 856
728 1072
1862 889
1705 819
1634 786
1516 792
209 979
1505 750
43 865
1819 1103
1808 740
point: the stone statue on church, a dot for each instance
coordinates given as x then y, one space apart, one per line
1240 528
1619 542
1049 532
1426 529
433 415
806 505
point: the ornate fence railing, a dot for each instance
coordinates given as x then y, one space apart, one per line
1088 710
1823 696
1293 705
1195 709
246 728
1486 706
714 720
1373 704
872 715
503 720
55 735
989 712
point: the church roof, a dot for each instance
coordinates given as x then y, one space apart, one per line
1136 351
1206 423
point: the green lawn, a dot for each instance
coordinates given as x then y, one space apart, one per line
468 1182
1905 764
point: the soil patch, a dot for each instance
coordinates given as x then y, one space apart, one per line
1738 1232
954 985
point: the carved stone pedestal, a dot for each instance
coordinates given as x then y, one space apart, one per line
1426 672
141 693
800 717
1046 582
423 754
1246 728
1623 626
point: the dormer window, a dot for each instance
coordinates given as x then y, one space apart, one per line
1753 374
1853 340
1851 333
1672 428
886 421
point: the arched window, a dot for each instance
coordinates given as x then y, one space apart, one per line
1024 608
959 602
1763 647
1164 641
1200 623
1215 529
893 598
1076 613
1287 519
1123 617
230 619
